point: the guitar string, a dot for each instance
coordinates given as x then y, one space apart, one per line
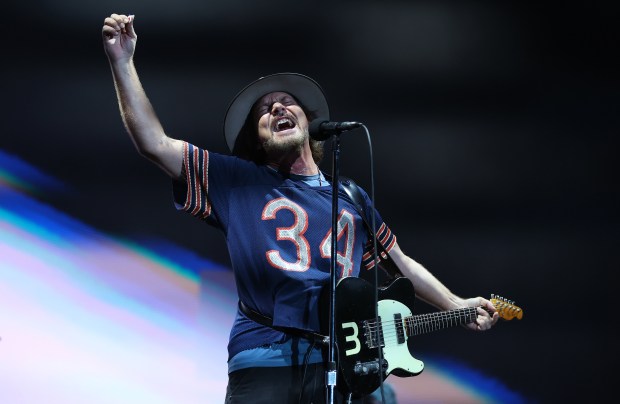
429 322
433 324
430 319
423 323
392 336
426 318
426 324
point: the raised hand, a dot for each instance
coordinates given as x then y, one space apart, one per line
119 37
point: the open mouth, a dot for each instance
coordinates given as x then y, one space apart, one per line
282 124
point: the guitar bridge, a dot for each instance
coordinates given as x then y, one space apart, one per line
373 333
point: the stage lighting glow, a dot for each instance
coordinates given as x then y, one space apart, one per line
90 318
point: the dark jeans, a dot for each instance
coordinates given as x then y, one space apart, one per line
280 385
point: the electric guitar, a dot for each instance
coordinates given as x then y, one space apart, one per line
358 335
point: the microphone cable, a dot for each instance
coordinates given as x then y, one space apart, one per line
305 368
375 259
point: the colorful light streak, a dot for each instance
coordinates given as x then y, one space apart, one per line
18 174
89 318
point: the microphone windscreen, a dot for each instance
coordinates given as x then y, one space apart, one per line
316 131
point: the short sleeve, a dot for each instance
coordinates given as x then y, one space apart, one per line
191 191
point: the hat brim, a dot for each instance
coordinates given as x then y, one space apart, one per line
305 90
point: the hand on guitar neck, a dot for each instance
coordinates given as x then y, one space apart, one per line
497 307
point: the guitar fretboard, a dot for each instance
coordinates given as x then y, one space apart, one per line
424 323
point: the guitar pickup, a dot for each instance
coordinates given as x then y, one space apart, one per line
366 368
400 331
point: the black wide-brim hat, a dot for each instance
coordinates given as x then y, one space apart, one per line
305 90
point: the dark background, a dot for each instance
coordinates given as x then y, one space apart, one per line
494 130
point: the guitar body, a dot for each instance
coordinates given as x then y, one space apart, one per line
358 336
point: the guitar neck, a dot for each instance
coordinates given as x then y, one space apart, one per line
424 323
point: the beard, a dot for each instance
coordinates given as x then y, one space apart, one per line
278 147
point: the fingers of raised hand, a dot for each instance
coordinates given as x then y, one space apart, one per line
116 24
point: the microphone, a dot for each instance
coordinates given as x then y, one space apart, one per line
321 130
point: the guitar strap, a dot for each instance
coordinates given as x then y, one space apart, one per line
268 322
353 191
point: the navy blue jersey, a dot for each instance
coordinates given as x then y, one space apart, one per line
278 232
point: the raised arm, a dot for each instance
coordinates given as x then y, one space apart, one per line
432 291
139 117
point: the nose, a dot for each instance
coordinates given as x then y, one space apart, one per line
278 109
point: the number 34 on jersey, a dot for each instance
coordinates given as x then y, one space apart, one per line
295 233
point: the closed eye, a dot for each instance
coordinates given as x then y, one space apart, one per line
288 101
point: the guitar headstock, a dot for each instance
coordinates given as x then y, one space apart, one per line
506 308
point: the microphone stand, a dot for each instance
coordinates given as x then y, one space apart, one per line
332 366
322 129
